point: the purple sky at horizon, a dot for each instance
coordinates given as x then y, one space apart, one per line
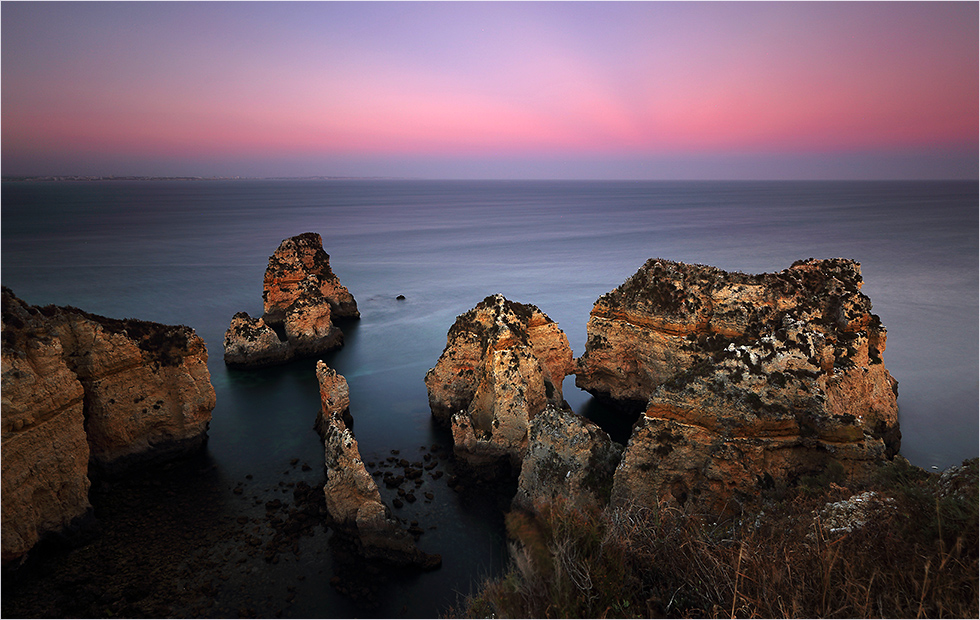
636 90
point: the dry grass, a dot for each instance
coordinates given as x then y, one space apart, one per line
916 557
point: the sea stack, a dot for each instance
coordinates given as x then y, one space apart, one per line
744 381
352 496
504 362
301 298
81 392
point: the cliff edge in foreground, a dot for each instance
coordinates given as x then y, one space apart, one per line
82 390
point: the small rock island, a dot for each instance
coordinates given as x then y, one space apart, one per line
301 296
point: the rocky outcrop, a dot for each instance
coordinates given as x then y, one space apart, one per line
503 363
352 496
334 399
569 459
82 390
747 381
301 297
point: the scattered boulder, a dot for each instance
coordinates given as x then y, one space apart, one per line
301 297
352 496
569 458
503 363
745 381
80 391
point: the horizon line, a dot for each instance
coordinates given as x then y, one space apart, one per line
132 177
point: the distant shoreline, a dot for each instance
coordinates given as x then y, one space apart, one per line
77 177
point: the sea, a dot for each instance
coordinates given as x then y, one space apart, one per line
194 252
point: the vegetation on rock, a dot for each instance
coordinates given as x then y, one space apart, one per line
914 554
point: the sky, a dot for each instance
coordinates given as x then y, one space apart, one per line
510 90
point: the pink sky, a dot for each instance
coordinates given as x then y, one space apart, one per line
511 90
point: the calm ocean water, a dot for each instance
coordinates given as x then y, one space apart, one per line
195 252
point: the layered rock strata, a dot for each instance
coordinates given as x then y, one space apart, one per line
82 390
301 298
569 460
747 381
352 496
504 362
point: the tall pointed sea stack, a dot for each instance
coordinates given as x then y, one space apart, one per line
301 296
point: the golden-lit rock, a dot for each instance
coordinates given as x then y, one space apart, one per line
745 381
352 496
503 363
301 297
82 390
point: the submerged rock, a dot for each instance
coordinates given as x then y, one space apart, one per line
82 390
503 363
301 297
352 496
745 381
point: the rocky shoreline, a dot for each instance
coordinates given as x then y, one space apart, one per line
736 385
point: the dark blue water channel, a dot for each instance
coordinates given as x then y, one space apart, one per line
194 253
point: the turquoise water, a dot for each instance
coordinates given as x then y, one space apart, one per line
194 252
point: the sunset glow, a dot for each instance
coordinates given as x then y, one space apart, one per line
378 88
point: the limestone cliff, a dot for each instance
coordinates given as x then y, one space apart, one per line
503 363
301 297
82 390
746 381
569 459
352 496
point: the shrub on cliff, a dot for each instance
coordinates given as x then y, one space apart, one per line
913 553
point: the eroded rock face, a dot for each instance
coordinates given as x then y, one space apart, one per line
748 381
352 496
82 390
300 269
569 459
301 297
503 363
45 452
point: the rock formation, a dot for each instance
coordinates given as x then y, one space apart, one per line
352 496
83 390
301 297
568 458
503 363
746 381
334 399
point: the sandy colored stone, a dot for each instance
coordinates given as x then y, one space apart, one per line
300 269
81 391
352 496
503 363
569 459
301 297
748 381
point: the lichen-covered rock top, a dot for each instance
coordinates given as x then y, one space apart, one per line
300 269
503 363
495 324
654 324
745 381
569 460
